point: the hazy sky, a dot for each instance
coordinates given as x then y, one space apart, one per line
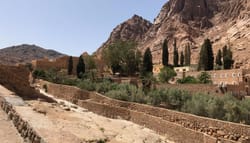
68 26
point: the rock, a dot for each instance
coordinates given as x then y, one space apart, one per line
221 133
66 108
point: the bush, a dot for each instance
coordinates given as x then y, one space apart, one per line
87 85
188 80
205 78
39 74
166 74
118 94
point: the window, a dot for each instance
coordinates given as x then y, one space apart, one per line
233 74
239 74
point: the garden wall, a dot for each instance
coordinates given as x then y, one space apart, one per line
16 79
180 126
22 126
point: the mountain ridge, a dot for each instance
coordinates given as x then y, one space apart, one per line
25 53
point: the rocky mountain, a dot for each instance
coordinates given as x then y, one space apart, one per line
224 22
134 29
25 54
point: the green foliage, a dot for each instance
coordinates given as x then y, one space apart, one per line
205 78
187 55
227 58
166 74
90 63
176 55
70 65
39 74
165 53
147 62
206 61
182 59
122 57
219 58
188 80
87 85
80 69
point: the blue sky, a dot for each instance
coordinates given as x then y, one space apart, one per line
68 26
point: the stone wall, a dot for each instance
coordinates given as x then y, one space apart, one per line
180 126
228 77
60 63
22 126
16 79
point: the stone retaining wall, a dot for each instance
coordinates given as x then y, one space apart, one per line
208 130
23 127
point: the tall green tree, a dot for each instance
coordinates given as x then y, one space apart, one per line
70 65
187 55
227 58
147 62
123 57
182 59
206 61
80 69
165 53
219 58
176 55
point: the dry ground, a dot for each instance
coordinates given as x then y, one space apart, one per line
64 122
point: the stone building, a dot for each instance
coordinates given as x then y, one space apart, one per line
58 64
221 77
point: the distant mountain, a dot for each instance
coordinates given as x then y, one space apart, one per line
25 54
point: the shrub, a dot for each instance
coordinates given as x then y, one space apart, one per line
205 78
188 80
118 94
166 74
39 74
87 85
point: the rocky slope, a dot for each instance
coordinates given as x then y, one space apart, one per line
225 22
133 29
25 54
191 21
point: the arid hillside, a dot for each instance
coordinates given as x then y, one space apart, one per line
25 54
190 22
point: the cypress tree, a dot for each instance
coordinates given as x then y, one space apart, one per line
70 65
147 62
227 58
206 61
187 55
176 55
219 58
165 54
182 59
80 69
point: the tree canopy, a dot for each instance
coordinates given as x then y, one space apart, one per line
123 57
